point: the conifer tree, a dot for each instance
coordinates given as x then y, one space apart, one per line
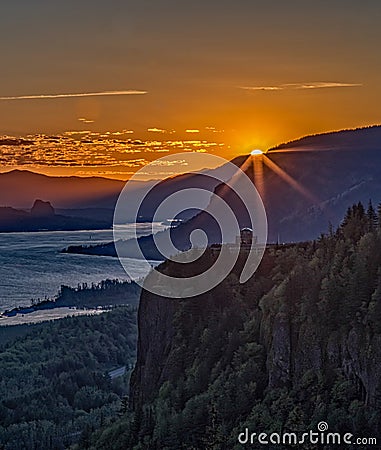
372 217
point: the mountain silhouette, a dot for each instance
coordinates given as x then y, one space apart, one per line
19 189
305 185
42 217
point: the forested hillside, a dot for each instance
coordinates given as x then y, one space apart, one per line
54 382
297 344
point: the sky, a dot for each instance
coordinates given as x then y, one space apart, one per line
119 83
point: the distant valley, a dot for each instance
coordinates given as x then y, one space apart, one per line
306 185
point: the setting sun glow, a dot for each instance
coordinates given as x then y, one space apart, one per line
155 86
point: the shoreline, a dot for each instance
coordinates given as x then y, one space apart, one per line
44 315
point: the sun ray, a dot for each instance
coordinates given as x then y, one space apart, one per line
253 167
258 178
288 179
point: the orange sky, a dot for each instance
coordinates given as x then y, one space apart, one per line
245 74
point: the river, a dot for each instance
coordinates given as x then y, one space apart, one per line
31 265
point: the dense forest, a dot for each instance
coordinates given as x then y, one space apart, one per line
104 293
55 387
297 344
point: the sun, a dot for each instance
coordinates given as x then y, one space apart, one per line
256 152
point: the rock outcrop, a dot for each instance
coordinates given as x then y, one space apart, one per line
42 209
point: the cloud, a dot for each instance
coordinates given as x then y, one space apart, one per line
192 131
298 86
261 88
156 130
180 162
320 85
74 132
214 130
85 149
98 173
84 120
82 94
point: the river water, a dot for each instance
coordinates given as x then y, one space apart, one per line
31 265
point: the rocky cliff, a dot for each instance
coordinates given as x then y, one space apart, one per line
42 209
300 342
293 346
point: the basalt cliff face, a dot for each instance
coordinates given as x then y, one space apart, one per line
156 343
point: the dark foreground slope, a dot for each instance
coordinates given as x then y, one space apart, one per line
297 344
